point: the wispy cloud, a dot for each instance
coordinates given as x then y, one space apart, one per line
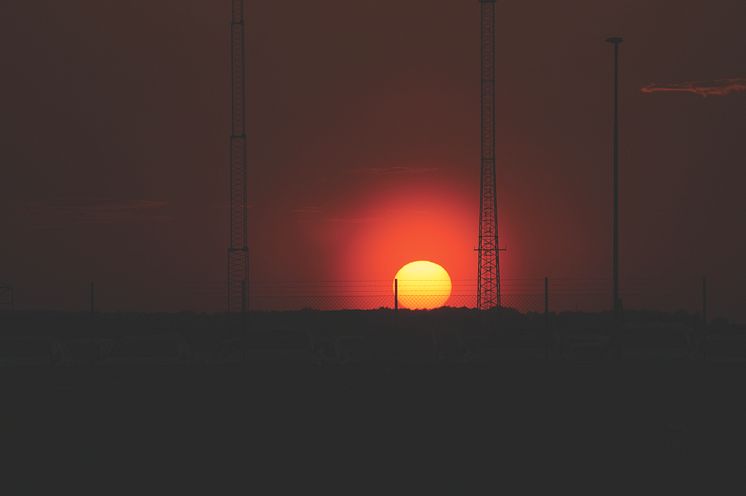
308 210
352 220
226 206
718 87
64 213
394 171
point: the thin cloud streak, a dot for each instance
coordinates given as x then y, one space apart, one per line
96 212
308 210
719 87
352 220
395 171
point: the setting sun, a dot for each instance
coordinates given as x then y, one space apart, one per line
423 285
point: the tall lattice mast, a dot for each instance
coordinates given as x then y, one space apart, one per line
238 250
488 277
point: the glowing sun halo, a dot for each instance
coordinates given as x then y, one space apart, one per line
423 285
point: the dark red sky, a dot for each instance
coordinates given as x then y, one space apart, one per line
363 143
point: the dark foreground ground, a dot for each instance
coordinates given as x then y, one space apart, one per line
465 412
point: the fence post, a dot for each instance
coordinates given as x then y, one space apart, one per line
704 301
396 295
244 294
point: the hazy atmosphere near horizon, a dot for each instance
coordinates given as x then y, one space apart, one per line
381 246
363 147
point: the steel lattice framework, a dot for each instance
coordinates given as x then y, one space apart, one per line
488 278
238 250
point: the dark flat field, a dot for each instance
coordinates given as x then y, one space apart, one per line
443 402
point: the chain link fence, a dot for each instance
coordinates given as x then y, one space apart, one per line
525 295
6 298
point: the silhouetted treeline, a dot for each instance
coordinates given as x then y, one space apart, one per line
448 335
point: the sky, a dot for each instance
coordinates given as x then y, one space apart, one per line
363 146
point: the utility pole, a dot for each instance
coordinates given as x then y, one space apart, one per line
488 273
238 250
616 41
396 295
704 301
6 297
244 303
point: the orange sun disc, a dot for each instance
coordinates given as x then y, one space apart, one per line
423 285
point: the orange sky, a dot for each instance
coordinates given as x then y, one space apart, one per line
363 145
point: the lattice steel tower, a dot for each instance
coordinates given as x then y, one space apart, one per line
238 250
488 277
